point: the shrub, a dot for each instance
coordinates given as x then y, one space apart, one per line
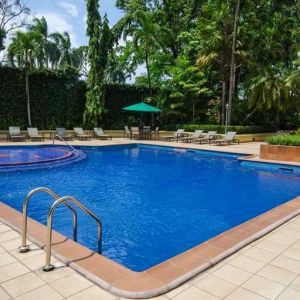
284 139
220 128
298 131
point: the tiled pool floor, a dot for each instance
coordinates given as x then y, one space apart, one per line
269 268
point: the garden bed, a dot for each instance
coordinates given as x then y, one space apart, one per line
280 153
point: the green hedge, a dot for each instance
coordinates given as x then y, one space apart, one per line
58 99
220 129
284 139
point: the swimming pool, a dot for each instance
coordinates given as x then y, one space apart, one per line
154 202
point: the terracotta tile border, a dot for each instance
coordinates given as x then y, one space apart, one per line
165 276
256 159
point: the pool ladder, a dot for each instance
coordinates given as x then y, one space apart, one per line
58 200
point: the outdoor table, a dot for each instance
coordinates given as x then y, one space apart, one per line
146 132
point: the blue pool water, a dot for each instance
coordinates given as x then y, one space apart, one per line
12 158
154 202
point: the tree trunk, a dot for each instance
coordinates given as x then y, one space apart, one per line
148 71
26 54
193 110
223 101
233 63
27 97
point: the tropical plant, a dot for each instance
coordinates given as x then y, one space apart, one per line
63 43
284 139
100 41
22 49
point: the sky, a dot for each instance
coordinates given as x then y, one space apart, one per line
70 15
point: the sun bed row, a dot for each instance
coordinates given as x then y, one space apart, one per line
211 137
14 134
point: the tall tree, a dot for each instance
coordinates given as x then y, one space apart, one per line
99 44
233 59
63 43
144 38
13 15
22 48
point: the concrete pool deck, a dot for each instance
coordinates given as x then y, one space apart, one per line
268 268
265 269
251 148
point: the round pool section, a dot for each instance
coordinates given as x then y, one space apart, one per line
18 158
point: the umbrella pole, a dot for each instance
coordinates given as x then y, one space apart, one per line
142 127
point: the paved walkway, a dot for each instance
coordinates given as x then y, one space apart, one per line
247 148
266 269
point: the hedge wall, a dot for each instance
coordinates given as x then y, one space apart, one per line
58 100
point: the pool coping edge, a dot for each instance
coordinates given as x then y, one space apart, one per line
159 279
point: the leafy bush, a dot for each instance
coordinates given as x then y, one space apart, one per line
220 129
298 131
284 139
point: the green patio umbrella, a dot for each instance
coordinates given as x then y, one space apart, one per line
142 107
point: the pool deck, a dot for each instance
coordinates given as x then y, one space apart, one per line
246 148
267 267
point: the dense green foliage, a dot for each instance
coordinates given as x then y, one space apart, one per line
220 128
58 99
198 55
284 139
47 50
100 40
195 57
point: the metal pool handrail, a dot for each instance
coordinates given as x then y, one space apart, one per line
48 267
25 248
63 140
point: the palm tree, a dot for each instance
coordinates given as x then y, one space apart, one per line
270 90
22 50
41 27
63 42
144 38
79 60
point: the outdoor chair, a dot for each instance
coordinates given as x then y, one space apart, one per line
196 135
127 132
98 133
33 134
210 135
79 134
228 139
61 132
176 136
14 134
155 133
135 133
